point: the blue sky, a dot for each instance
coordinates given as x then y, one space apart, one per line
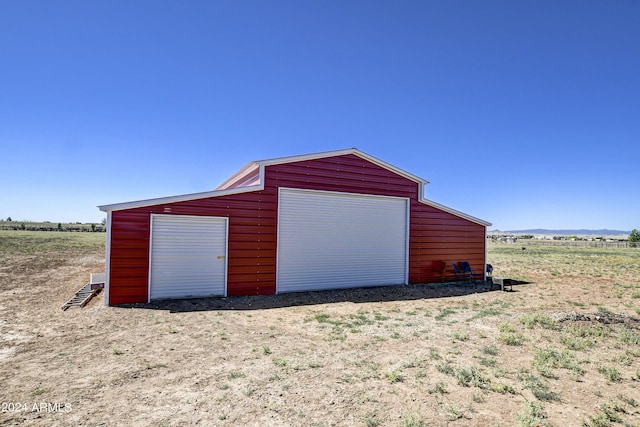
522 113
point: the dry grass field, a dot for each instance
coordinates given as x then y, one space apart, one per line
562 349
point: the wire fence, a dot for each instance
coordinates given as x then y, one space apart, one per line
574 243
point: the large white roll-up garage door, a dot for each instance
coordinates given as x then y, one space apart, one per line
188 256
329 240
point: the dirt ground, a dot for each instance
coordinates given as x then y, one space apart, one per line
561 349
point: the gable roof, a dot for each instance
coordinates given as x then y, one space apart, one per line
247 175
251 178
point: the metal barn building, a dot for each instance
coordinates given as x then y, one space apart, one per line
329 220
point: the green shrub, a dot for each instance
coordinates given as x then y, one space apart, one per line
511 338
606 414
531 415
444 313
117 350
611 373
469 376
439 388
460 336
538 319
413 420
547 359
394 376
502 388
539 389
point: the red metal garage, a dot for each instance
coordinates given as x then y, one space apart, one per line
328 220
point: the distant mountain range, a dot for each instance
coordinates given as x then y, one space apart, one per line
580 232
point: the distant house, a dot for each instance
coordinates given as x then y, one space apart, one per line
330 220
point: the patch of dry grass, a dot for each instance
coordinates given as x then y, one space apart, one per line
405 356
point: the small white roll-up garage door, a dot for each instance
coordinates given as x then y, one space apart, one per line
329 240
188 256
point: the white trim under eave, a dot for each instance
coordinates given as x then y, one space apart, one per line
407 247
238 176
486 255
107 263
150 261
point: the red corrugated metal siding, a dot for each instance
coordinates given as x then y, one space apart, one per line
438 237
251 252
129 262
434 235
348 173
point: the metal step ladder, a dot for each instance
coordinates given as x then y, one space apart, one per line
88 291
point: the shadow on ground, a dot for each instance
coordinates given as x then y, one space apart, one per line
356 296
